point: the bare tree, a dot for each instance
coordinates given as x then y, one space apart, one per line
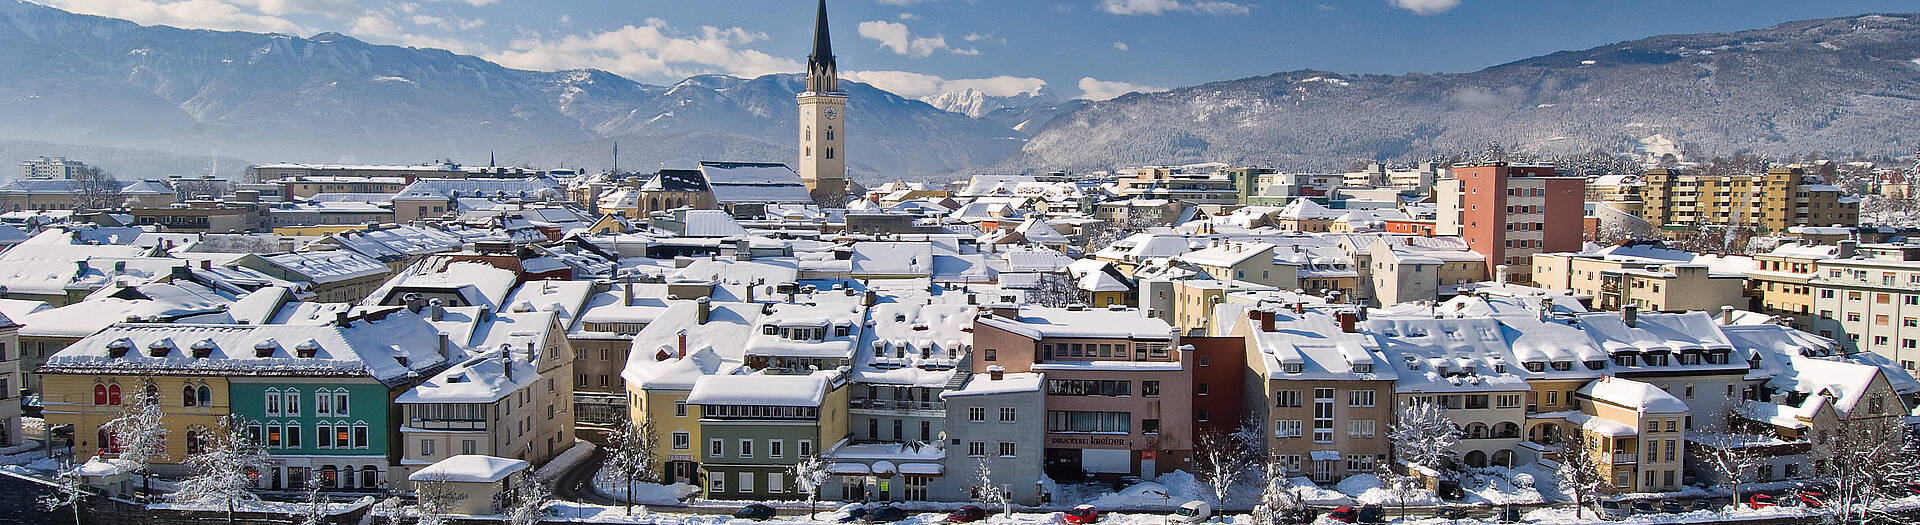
809 474
1580 462
1054 290
69 490
1220 458
225 474
432 497
633 458
1867 457
140 433
985 490
316 509
1423 436
96 190
1401 487
1730 450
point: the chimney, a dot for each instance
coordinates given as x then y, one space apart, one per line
996 373
506 362
340 319
1726 315
703 310
206 264
435 309
446 347
742 251
415 302
626 294
683 343
1266 321
1500 274
871 299
972 299
1299 307
1847 249
1630 314
486 314
1346 321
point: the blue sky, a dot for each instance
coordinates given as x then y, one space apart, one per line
1073 48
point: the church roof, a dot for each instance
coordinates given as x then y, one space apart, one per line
822 42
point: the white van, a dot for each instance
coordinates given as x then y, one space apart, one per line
1191 512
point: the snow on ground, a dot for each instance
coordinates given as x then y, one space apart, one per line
1498 486
607 485
565 461
1367 489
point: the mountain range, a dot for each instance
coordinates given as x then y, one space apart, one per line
69 80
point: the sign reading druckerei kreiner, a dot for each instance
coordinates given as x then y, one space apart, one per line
1101 441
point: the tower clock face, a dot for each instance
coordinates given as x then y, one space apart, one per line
831 113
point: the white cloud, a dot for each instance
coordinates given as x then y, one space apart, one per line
1096 90
1120 46
896 37
1425 7
917 85
333 8
194 14
908 16
653 48
1155 7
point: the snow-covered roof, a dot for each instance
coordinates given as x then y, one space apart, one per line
476 283
481 379
1633 395
716 347
913 344
1228 254
754 182
327 266
828 317
893 258
1045 322
1447 355
1313 341
469 468
984 384
387 349
763 389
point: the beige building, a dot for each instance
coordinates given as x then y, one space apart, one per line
1637 429
1327 391
1646 274
1781 198
512 397
1871 302
1780 279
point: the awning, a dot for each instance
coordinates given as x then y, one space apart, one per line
882 468
1325 455
855 469
921 469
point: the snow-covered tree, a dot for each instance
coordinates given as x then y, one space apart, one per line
631 456
1423 436
1580 463
1401 487
392 508
809 474
1279 503
1730 449
530 502
1219 459
69 490
316 508
224 474
1865 464
140 432
431 498
989 494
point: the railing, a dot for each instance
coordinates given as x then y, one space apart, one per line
897 404
1621 458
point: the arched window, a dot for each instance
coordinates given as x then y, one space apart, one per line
329 476
187 397
369 477
206 396
829 135
113 394
153 392
195 436
99 394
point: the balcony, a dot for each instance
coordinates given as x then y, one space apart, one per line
1620 458
896 404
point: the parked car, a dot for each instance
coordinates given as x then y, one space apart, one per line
1643 507
1082 515
1507 514
1703 504
1191 512
967 514
1450 513
754 511
884 514
1672 507
1760 501
1451 490
1812 497
1373 514
1344 514
854 511
1299 516
1611 509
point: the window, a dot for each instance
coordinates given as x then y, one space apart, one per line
1289 428
1323 415
1359 463
776 448
682 440
1360 428
977 414
426 448
680 408
746 448
746 482
1359 398
976 448
322 404
1287 398
1149 388
1200 389
272 404
293 435
776 482
806 447
716 448
718 483
360 436
340 403
1089 421
990 355
1006 449
1507 401
323 435
1006 414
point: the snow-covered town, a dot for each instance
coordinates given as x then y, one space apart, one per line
1496 337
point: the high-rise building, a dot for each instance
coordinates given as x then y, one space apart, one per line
1781 198
823 163
1508 212
54 168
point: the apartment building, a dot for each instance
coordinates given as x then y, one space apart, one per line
1119 392
1647 274
1508 212
1462 365
1208 191
1636 428
1871 301
757 426
512 397
1323 389
1779 282
1781 198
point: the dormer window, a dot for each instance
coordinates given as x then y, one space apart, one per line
1413 363
899 318
1563 365
1536 366
1291 368
1363 368
840 330
1596 365
1500 369
770 330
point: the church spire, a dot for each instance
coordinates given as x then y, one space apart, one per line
822 74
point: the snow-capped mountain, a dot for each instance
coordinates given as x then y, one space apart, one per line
1830 85
974 103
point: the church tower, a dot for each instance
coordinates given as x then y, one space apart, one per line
823 118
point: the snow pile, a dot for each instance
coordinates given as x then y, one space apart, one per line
1368 490
607 484
1497 486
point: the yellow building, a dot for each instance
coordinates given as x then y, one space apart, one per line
87 400
1637 429
1781 198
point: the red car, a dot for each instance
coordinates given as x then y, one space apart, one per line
1760 501
1344 514
1812 498
967 514
1082 515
